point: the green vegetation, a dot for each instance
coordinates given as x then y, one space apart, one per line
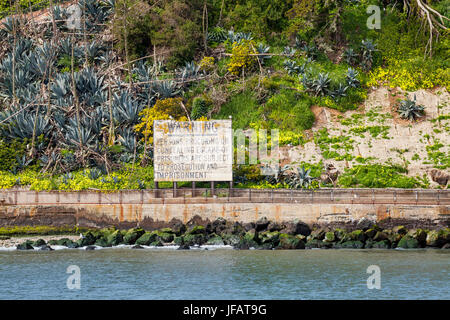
77 109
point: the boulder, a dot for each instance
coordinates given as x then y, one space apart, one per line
27 245
184 247
400 230
380 236
102 242
295 228
196 230
370 233
146 239
318 234
272 238
194 239
329 237
262 224
350 245
436 238
384 244
157 243
178 240
290 242
314 244
358 235
365 224
275 226
165 236
178 229
419 234
67 243
218 225
215 240
115 238
88 239
340 234
446 246
408 242
137 246
90 248
38 243
45 248
132 235
231 239
440 177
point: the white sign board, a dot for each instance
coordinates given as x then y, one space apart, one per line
193 150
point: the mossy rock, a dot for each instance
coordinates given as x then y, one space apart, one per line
370 234
157 243
178 240
317 234
247 243
5 237
329 237
290 242
39 242
88 240
380 236
167 230
383 244
269 237
27 245
65 242
355 244
132 235
436 238
165 236
231 239
194 239
252 235
215 240
146 239
340 234
314 244
400 230
197 230
419 234
102 242
408 242
115 238
358 235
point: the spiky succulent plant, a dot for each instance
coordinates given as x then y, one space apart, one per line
408 109
352 78
321 85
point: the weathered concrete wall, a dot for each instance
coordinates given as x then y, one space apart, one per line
157 215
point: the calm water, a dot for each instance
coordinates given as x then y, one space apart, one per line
225 274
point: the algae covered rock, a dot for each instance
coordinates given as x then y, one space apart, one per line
146 239
26 245
194 239
290 242
165 236
88 239
380 236
400 230
436 238
329 237
317 234
231 239
115 238
314 244
38 243
355 244
383 244
132 235
419 234
408 242
358 235
215 240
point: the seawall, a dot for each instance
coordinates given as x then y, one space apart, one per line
152 209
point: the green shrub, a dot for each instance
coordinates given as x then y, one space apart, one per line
9 152
200 108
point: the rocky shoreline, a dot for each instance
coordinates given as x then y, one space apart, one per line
262 234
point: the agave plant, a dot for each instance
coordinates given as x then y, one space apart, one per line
125 109
291 67
76 135
23 125
91 88
352 78
166 89
190 70
339 91
321 85
307 83
263 49
217 34
350 56
301 179
94 173
289 51
127 138
94 51
310 51
408 109
367 50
